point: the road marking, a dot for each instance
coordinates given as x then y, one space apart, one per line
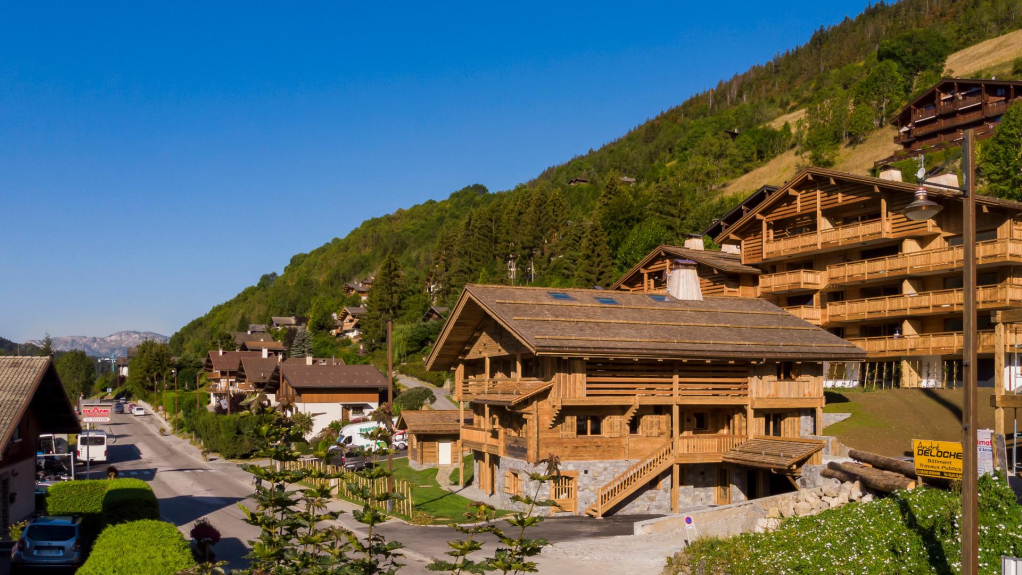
133 473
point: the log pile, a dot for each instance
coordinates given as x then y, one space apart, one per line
874 471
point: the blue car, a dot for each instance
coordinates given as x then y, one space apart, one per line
49 542
118 407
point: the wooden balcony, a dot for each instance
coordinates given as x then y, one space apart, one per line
809 313
831 238
481 439
922 303
770 392
706 448
617 390
999 251
791 281
945 343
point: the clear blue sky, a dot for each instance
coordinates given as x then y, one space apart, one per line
154 161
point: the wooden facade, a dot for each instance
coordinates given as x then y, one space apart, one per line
720 273
433 437
642 389
835 250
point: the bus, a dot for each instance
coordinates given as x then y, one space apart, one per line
92 445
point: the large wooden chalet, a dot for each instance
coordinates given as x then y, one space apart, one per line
651 401
939 117
720 273
835 250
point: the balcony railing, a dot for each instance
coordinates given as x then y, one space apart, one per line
478 435
922 303
824 239
793 280
988 252
494 385
809 313
772 388
710 443
600 386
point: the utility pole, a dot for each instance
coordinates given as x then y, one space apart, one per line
173 422
390 401
970 495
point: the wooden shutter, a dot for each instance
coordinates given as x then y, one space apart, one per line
568 427
508 483
651 425
612 426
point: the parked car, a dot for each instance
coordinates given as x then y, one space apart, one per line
341 457
49 541
400 440
355 436
137 410
118 407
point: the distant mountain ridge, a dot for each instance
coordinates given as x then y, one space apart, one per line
114 345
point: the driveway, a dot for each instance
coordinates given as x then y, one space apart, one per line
443 397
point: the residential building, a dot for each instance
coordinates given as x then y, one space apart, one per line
835 251
271 347
435 313
240 337
33 402
353 288
259 375
939 117
329 390
651 401
349 320
432 437
720 273
221 369
257 328
287 322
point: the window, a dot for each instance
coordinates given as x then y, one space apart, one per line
879 252
588 425
788 370
836 296
658 297
560 295
806 265
773 424
838 331
984 279
699 419
881 291
633 424
882 330
800 300
983 323
606 300
980 237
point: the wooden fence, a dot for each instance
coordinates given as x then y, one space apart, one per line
403 506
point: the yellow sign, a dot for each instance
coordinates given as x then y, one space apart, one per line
938 458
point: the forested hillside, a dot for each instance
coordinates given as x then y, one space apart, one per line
653 185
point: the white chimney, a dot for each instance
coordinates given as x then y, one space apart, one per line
890 174
694 242
945 179
683 281
221 350
266 352
308 360
731 248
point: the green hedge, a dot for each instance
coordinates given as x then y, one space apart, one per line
144 547
102 502
232 436
129 500
418 371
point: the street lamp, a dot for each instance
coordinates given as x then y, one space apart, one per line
924 209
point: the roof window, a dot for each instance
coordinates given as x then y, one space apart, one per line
560 295
658 297
607 300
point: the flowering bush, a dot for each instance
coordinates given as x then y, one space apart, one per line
909 532
203 529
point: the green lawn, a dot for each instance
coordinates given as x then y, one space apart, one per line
429 497
468 464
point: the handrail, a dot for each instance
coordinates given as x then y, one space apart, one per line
792 279
858 231
989 251
617 486
938 301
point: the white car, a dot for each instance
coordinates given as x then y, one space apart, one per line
138 410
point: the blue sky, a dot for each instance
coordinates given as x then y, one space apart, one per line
155 160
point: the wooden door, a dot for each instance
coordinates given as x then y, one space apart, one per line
485 476
722 490
445 453
564 492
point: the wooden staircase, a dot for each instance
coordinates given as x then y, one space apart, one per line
635 477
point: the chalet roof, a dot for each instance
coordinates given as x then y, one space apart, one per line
258 369
122 361
257 327
241 337
229 361
823 174
426 422
945 82
357 287
509 394
435 310
635 326
725 262
354 310
299 375
773 452
260 344
736 213
33 382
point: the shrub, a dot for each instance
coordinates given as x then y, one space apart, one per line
230 435
129 500
413 399
82 497
145 547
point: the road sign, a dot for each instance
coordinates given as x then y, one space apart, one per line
689 522
941 459
96 414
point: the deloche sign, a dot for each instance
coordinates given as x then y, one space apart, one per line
941 459
95 414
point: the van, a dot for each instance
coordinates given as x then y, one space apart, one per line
92 445
353 436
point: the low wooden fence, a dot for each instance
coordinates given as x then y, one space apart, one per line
348 479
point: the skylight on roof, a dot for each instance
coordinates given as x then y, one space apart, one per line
658 297
560 295
606 300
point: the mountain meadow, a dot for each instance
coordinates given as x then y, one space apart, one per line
583 222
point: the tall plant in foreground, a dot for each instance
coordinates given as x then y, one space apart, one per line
515 555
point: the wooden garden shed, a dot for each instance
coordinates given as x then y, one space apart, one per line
432 436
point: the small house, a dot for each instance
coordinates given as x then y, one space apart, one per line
329 390
434 313
432 437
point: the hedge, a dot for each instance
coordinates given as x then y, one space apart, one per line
102 502
129 500
144 547
232 436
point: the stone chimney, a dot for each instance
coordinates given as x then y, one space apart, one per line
308 360
683 281
266 352
890 174
731 248
694 241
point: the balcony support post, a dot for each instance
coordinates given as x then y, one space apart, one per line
675 469
999 374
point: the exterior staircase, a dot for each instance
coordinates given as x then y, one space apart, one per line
634 478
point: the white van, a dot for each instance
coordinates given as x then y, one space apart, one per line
353 436
92 445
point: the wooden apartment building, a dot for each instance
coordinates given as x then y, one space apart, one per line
651 401
939 117
835 250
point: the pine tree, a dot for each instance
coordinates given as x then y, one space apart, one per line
384 302
301 346
1001 157
47 350
595 267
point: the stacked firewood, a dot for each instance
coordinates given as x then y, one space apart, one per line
874 471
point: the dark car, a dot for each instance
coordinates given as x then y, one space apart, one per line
118 407
349 460
50 541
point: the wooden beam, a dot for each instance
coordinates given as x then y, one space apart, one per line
999 350
1008 316
1006 401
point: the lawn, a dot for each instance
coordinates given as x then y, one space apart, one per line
887 421
429 497
468 464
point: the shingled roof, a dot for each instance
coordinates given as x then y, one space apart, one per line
241 337
33 381
299 375
635 325
718 260
432 421
229 360
258 370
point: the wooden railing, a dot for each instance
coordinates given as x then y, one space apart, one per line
637 475
922 303
506 385
792 280
709 443
597 386
823 239
809 313
992 251
476 435
771 388
943 343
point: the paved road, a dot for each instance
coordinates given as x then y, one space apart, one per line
443 397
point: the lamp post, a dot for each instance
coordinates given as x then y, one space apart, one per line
924 209
173 422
